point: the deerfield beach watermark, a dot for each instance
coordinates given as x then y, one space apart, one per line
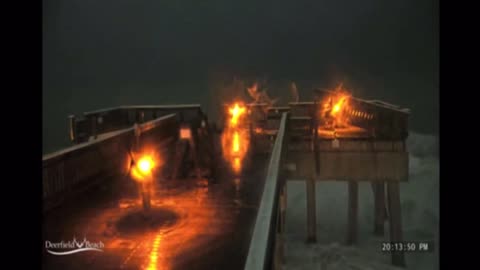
74 246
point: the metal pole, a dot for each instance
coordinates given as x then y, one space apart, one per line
72 131
311 204
146 195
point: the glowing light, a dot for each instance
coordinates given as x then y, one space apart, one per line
335 109
145 164
235 138
143 168
339 105
153 258
237 166
236 142
185 133
236 112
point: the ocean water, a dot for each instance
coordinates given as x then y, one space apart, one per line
420 213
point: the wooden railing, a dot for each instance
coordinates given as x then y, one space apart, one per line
74 169
94 123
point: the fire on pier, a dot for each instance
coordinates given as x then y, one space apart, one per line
235 137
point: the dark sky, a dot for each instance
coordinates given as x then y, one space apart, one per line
105 53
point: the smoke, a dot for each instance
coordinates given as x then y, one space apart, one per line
420 212
294 92
225 88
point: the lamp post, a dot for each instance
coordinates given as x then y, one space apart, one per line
143 173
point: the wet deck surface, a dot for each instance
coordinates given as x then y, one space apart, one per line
193 224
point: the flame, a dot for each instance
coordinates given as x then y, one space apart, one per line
339 105
236 142
235 139
237 166
335 107
236 112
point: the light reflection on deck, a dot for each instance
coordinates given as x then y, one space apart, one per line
193 225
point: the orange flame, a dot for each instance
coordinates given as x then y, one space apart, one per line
236 112
236 142
235 138
334 109
237 166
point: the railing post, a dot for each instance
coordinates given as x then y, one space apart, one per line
72 128
395 222
94 126
311 200
380 210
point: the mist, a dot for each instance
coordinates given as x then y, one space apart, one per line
107 53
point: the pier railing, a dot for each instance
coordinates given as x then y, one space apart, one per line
74 169
91 124
264 242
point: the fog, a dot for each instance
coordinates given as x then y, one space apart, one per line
100 54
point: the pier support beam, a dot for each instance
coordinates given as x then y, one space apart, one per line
380 210
395 218
311 211
352 212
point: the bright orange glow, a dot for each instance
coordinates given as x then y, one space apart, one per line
235 138
339 105
153 258
236 112
145 164
143 169
237 166
159 250
185 133
334 109
236 142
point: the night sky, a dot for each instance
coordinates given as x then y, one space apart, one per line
106 53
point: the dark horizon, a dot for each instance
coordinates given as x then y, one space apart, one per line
110 53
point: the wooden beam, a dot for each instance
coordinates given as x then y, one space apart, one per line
380 210
311 211
395 214
352 212
311 200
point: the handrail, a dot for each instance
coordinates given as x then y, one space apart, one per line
95 123
261 244
145 107
74 169
143 127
